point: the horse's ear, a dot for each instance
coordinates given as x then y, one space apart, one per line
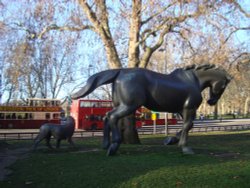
207 66
188 67
229 77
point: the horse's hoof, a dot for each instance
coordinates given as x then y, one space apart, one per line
187 151
113 149
171 140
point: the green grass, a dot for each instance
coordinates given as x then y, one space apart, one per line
221 160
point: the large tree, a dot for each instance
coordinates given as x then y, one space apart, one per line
33 67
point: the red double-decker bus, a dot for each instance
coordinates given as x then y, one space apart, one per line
31 115
89 114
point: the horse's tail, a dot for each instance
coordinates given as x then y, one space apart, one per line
96 80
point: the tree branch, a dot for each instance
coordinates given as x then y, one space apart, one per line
102 28
237 5
244 60
158 13
236 29
185 38
172 22
63 28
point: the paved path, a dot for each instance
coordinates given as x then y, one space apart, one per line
8 157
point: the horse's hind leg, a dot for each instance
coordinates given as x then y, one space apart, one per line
188 117
113 117
106 133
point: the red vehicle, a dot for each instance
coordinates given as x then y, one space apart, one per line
89 114
32 115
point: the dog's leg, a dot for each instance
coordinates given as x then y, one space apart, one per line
58 143
48 142
71 142
37 141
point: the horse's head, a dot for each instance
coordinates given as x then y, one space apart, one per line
219 80
216 90
213 77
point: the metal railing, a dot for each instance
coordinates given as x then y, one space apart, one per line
160 129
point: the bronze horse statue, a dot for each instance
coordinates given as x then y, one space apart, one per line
58 131
177 92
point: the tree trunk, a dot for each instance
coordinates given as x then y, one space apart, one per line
222 107
216 111
127 126
246 106
134 32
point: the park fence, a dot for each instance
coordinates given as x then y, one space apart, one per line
145 130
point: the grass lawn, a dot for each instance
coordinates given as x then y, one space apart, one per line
221 160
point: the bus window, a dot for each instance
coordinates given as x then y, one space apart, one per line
30 116
86 104
21 116
106 104
13 116
31 103
82 104
47 116
8 116
57 103
56 116
1 115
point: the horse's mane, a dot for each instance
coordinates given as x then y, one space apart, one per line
205 67
200 66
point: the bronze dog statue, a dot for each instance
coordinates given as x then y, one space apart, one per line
58 131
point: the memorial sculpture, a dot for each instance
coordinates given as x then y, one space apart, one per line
63 131
177 92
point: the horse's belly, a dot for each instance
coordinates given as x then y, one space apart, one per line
170 101
165 106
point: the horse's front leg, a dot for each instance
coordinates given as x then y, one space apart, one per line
170 140
188 117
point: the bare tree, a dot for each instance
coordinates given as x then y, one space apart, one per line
36 68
